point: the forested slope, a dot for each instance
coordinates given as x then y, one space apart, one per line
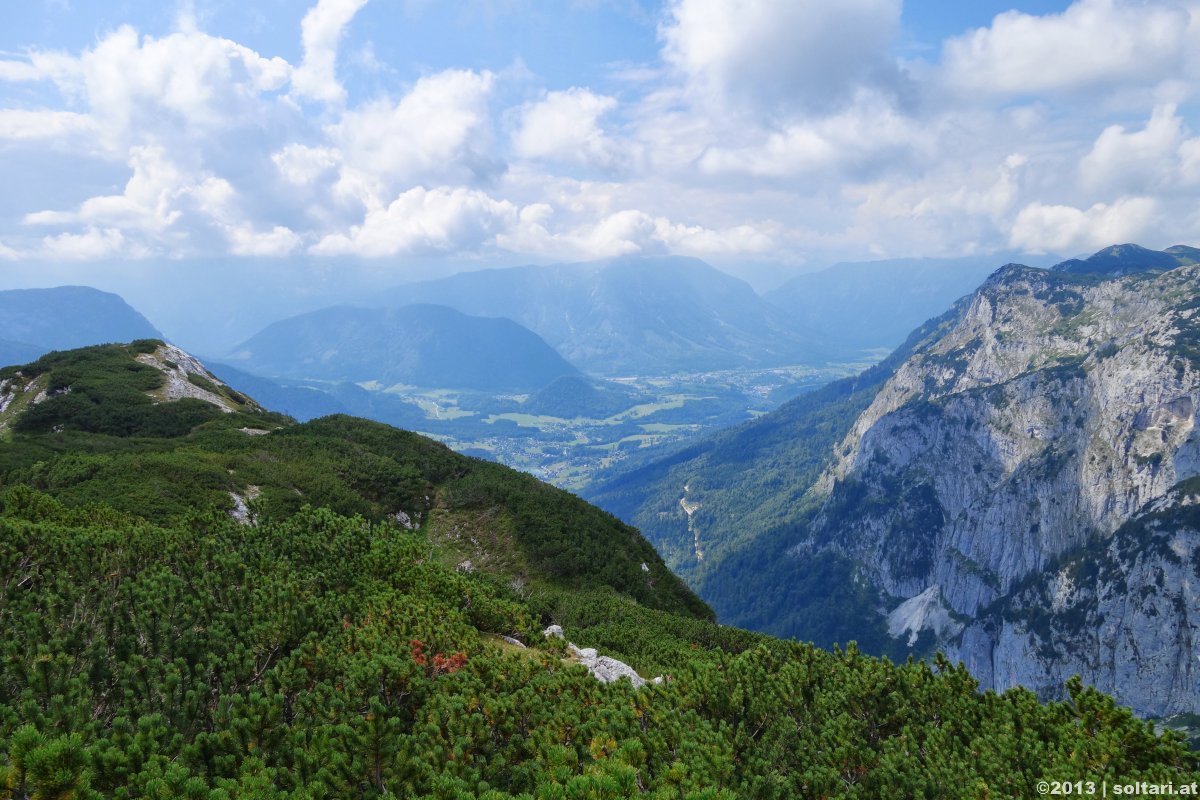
227 605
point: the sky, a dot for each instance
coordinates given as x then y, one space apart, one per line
392 133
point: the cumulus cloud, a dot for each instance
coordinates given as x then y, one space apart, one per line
150 202
422 221
805 53
625 232
1189 162
565 127
158 197
1092 43
1066 229
783 129
964 195
869 132
39 66
1156 157
197 82
42 124
245 241
92 244
301 164
439 131
19 71
321 32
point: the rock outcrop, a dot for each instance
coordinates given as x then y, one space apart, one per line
990 491
603 668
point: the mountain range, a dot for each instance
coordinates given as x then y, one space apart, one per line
422 345
876 304
1013 486
1038 431
634 316
205 599
36 321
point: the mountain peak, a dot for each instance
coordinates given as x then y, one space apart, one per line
632 315
36 321
421 344
1127 259
145 388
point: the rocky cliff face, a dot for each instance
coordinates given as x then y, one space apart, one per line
1034 434
1122 612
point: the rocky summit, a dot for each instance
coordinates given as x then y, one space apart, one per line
1010 486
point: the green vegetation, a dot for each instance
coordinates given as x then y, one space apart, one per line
325 656
104 390
153 646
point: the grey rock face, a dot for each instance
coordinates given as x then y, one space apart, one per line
1056 411
605 669
1123 613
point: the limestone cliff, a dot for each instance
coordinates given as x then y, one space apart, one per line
1057 411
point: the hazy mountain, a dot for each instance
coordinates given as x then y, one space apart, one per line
633 315
35 321
875 304
18 352
422 345
297 401
1126 259
1016 486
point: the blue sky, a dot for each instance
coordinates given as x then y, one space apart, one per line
398 132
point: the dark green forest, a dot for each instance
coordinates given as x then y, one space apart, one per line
332 641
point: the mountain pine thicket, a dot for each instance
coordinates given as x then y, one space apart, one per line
331 640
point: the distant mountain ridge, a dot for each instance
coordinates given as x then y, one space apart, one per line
630 316
36 321
421 344
1127 259
876 304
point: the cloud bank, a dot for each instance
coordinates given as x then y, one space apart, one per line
772 130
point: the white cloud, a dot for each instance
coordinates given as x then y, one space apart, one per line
193 81
955 195
1066 229
1189 162
626 232
42 124
321 32
870 131
7 253
1156 157
245 241
42 65
168 208
565 127
782 129
424 221
90 245
301 165
19 71
779 52
149 203
439 131
1093 43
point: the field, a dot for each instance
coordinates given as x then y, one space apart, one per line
568 450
